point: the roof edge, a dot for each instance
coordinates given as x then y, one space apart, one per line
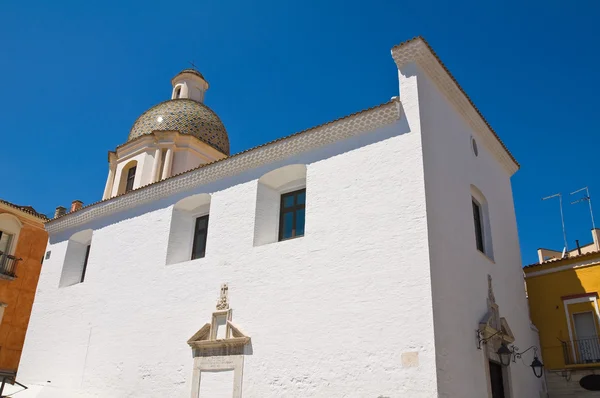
366 120
419 51
39 216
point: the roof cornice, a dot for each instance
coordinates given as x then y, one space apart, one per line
417 50
303 141
37 217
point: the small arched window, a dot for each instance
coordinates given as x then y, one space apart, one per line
189 229
177 92
280 205
127 179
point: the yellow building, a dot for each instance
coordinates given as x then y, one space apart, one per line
563 299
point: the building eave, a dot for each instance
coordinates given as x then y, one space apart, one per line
34 216
282 148
418 51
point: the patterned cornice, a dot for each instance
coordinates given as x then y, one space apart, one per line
304 141
418 51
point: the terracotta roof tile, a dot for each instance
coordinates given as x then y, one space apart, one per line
25 209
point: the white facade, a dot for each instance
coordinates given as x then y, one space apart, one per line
381 297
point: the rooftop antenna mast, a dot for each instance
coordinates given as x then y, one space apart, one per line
562 219
587 198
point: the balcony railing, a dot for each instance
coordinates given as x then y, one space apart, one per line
8 264
582 351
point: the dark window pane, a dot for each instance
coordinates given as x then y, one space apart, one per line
288 225
200 234
478 226
85 261
201 223
130 179
288 201
291 217
300 222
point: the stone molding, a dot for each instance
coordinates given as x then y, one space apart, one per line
347 127
418 51
218 354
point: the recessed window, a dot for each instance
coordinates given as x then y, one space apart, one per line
477 219
292 212
481 223
5 242
10 227
126 179
177 92
130 179
76 258
189 229
474 147
280 204
200 234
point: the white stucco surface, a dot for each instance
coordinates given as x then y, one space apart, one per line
380 298
330 314
458 270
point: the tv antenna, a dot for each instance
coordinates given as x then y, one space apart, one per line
586 198
562 219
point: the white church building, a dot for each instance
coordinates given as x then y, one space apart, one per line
375 255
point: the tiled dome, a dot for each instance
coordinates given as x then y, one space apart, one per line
186 116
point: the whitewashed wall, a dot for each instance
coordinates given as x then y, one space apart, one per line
330 314
458 270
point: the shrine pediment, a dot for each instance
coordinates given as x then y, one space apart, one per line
492 324
221 331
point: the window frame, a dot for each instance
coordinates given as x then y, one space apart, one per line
195 235
478 225
293 209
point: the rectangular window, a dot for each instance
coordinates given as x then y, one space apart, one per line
291 214
200 234
478 225
85 261
130 179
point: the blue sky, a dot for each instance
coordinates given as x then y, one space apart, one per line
75 76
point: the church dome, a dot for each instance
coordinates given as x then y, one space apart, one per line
186 116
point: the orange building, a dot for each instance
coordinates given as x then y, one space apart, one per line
22 245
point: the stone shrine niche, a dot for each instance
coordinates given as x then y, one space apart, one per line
493 328
219 348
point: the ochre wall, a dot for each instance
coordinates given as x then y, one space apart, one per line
547 307
18 294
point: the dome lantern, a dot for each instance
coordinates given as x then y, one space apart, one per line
189 84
